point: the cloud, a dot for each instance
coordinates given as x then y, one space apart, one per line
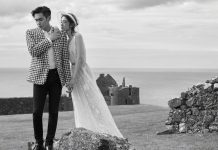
15 12
141 4
11 8
187 25
18 12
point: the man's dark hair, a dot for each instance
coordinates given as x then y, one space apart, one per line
43 9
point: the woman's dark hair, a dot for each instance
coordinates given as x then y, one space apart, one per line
72 23
43 9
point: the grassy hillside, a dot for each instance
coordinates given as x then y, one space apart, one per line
139 123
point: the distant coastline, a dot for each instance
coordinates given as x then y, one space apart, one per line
157 85
160 69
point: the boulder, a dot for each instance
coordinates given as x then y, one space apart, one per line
184 95
174 103
190 102
82 139
182 128
213 127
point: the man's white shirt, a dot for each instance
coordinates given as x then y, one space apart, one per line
51 59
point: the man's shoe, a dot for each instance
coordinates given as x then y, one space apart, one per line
49 147
38 147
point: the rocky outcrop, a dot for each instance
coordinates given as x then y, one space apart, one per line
82 139
196 110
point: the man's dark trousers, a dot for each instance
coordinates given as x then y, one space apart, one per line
53 88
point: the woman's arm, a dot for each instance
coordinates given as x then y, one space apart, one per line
80 57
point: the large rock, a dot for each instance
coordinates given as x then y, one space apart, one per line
174 103
190 102
213 80
215 87
184 95
82 139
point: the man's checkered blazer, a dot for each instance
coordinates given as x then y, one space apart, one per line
38 46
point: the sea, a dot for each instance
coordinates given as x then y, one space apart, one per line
156 86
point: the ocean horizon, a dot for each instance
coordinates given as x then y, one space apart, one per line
156 85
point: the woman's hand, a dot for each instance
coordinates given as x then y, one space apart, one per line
70 86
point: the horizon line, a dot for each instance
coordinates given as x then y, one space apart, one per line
127 68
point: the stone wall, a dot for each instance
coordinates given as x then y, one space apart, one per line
24 105
196 110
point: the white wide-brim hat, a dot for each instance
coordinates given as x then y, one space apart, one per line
70 15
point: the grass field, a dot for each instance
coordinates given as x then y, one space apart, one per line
138 123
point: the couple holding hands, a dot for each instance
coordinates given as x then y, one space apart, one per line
58 58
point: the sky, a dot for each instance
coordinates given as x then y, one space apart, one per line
122 33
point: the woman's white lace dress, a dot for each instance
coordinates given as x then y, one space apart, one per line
90 109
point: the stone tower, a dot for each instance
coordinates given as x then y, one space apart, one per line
113 93
124 82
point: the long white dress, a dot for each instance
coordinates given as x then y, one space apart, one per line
90 109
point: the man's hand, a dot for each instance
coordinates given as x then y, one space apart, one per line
55 34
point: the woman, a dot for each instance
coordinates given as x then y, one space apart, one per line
90 109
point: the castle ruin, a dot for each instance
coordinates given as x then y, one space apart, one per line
117 95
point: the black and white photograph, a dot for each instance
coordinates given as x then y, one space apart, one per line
108 74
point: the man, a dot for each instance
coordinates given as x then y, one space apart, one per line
49 72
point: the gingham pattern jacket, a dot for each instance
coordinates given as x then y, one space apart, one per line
38 46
